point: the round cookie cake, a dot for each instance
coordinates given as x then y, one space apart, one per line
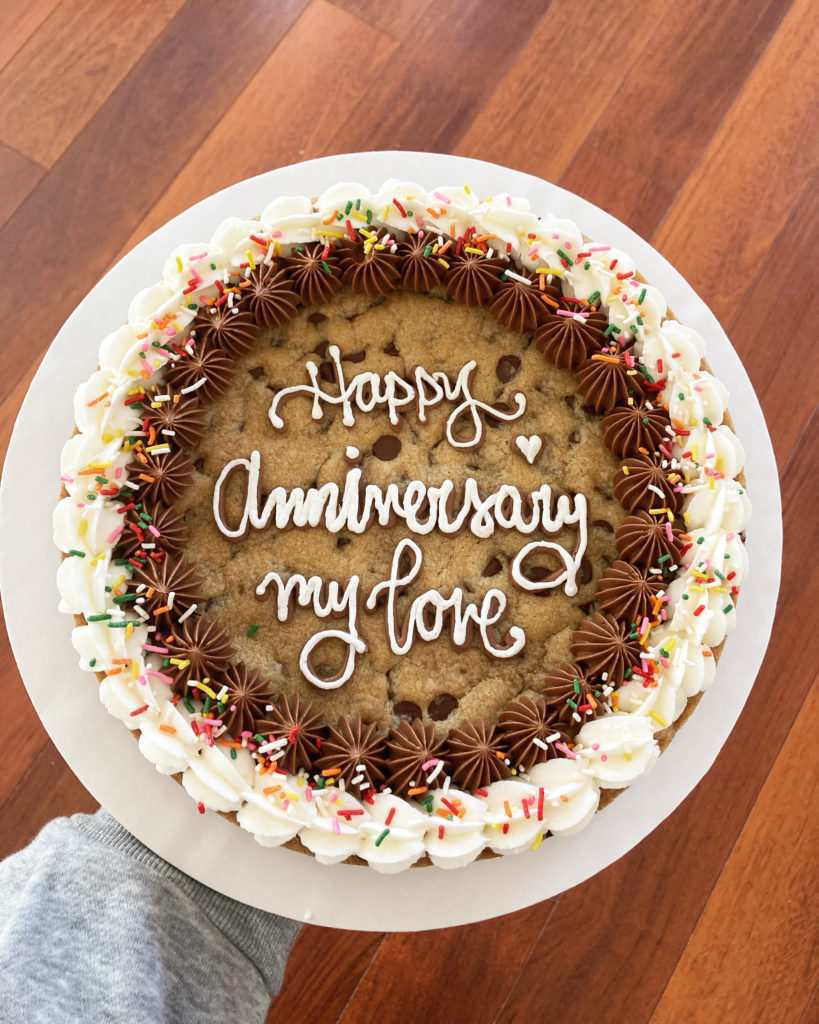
401 527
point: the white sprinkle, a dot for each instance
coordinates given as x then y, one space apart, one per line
168 433
358 778
436 771
188 613
517 277
553 738
171 597
194 387
364 785
657 490
538 742
161 398
147 547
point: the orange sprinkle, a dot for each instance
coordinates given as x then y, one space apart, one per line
114 671
605 359
121 661
270 789
167 728
331 218
99 398
418 789
161 611
507 808
330 771
550 302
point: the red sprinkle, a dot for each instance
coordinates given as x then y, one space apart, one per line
390 816
139 710
200 807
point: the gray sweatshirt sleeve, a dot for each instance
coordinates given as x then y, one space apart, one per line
94 927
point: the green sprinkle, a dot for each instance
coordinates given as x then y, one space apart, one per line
92 662
727 608
258 737
91 497
706 421
719 574
642 296
663 558
98 618
633 328
233 753
572 704
563 256
576 685
587 264
640 321
357 205
117 561
700 540
322 782
593 297
681 396
77 554
108 590
124 598
191 305
685 597
427 251
122 625
369 216
188 704
326 267
208 703
253 629
609 330
348 207
382 837
100 479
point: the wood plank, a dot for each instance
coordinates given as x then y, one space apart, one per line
495 949
775 315
19 176
644 907
48 789
19 19
397 18
101 198
542 109
764 911
659 121
736 200
21 732
298 121
69 67
311 995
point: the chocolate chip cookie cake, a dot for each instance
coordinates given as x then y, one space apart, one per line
402 527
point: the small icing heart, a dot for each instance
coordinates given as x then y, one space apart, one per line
529 447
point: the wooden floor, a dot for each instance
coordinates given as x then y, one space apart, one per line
692 120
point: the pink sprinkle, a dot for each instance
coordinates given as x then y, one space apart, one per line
336 826
143 681
156 650
664 661
568 244
604 757
595 746
729 536
308 795
566 751
152 529
67 479
442 197
113 535
555 234
196 277
159 675
118 472
199 256
598 248
508 200
275 234
428 764
669 532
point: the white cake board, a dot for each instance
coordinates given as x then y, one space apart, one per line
156 809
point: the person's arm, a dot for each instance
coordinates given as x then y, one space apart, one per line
94 927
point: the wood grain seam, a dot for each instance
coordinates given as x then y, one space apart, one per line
535 940
361 978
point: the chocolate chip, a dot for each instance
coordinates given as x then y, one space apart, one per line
256 372
407 710
442 706
570 400
585 572
587 608
493 567
199 465
327 371
321 350
391 350
355 357
507 368
342 542
574 437
603 524
386 447
317 318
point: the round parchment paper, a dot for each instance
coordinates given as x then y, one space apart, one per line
160 812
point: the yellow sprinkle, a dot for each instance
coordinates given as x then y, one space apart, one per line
552 270
660 721
97 558
250 259
468 190
129 629
471 248
626 756
179 266
697 590
134 670
333 234
206 689
386 212
82 528
538 840
443 262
